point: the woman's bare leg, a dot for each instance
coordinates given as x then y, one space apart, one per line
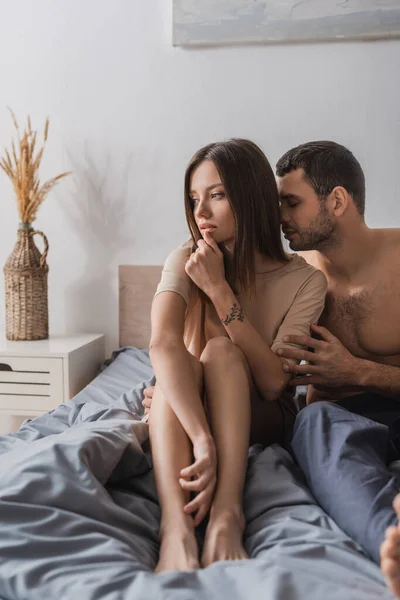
171 452
227 383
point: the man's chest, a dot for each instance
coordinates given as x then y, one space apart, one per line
366 318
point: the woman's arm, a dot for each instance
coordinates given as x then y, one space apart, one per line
265 365
205 267
172 365
305 311
179 385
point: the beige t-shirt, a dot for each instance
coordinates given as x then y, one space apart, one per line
287 301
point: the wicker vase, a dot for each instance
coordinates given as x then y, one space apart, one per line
26 272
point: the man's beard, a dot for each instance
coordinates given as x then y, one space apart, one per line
319 235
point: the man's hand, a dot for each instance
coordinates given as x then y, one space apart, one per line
148 397
330 365
200 477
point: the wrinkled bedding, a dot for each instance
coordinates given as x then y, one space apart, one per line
79 514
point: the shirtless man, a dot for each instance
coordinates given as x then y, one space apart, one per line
350 431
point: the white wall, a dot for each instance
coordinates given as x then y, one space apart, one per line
128 110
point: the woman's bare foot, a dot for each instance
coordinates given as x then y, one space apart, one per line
224 537
178 550
390 553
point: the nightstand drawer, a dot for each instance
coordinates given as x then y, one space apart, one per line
30 383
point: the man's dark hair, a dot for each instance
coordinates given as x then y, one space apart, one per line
326 165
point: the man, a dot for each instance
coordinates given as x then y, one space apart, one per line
350 431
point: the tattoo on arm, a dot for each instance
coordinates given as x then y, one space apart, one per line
236 313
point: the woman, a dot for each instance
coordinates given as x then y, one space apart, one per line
222 308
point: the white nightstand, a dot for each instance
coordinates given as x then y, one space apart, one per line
38 376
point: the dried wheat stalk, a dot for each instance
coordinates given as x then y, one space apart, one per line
22 167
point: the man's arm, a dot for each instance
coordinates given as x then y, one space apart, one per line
332 366
378 378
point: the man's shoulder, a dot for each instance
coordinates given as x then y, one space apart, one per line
389 242
390 234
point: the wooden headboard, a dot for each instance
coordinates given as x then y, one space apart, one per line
137 285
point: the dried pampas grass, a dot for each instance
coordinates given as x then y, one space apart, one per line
22 167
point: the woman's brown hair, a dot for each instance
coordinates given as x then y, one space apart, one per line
252 193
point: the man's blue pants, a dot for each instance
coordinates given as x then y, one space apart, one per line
345 458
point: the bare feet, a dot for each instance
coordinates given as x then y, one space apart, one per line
179 550
390 553
224 537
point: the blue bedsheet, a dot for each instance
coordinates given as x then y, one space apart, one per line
79 515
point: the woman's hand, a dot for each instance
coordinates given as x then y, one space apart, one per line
147 399
200 477
205 266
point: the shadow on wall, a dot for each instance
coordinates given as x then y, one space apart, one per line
100 212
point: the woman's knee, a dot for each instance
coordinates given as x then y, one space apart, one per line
222 349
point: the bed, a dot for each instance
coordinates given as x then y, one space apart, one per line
79 514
